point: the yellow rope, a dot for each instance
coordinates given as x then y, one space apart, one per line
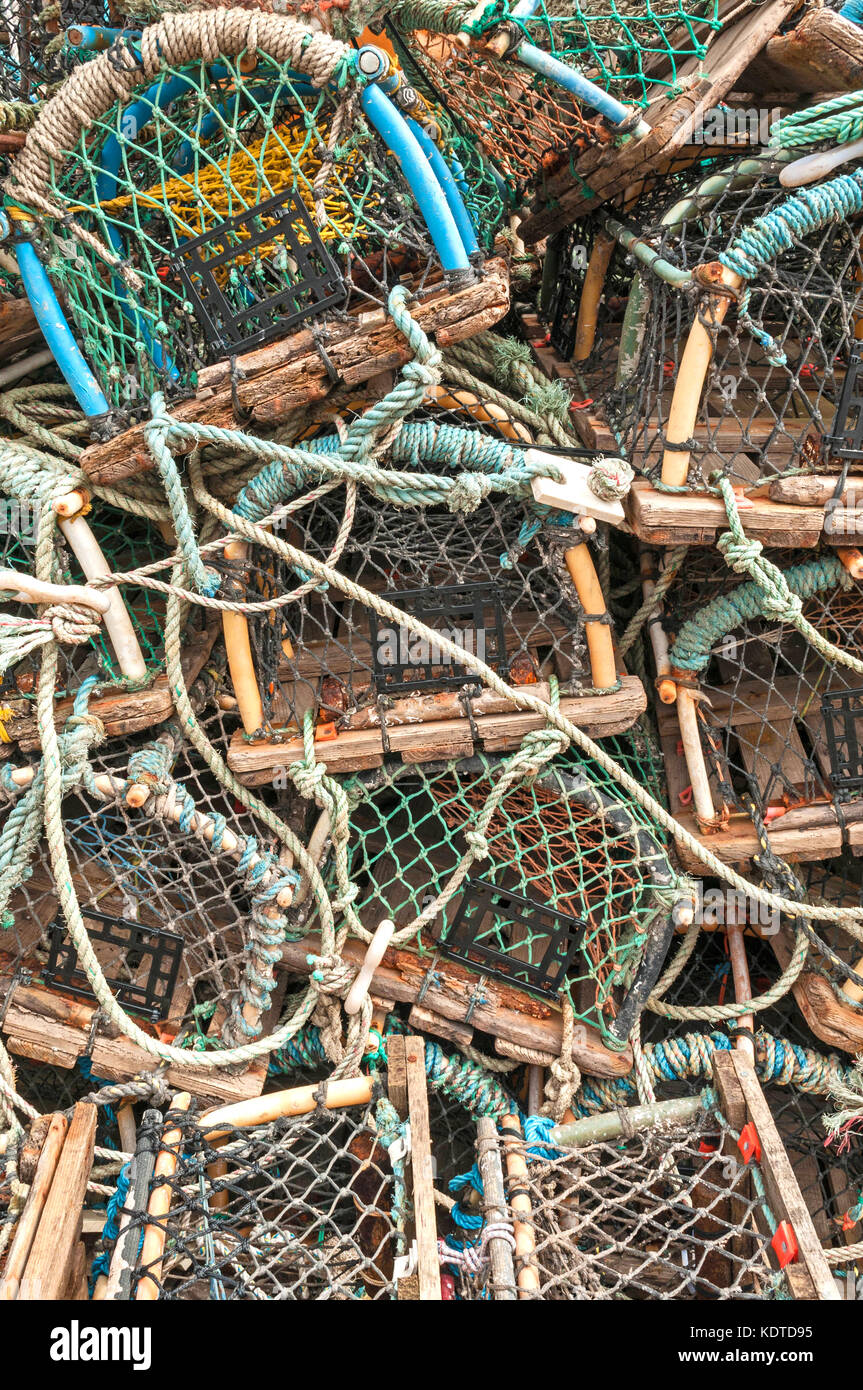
247 176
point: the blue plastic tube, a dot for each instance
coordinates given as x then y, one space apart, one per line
573 81
451 192
399 139
134 117
57 334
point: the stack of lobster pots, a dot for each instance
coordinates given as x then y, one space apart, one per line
431 650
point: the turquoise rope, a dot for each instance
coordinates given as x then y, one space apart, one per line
694 643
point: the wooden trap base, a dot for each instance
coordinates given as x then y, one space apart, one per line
275 380
127 712
55 1028
603 172
508 1014
803 833
360 749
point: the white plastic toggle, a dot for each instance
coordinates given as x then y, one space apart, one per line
374 955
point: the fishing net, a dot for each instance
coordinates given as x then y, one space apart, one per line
775 706
222 205
311 1207
562 840
305 1208
527 123
781 340
656 1215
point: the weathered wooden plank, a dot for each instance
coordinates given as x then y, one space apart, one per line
783 1192
824 53
28 1222
274 380
662 518
501 1011
428 1264
48 1267
127 712
598 715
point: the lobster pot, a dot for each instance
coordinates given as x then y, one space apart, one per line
770 394
829 1181
302 1209
661 1215
243 202
356 669
167 910
780 720
126 542
564 905
588 276
530 126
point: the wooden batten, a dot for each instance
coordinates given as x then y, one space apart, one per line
503 1011
54 1265
663 518
275 380
598 715
740 1093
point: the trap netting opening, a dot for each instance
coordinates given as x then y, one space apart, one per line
527 124
563 840
219 209
780 343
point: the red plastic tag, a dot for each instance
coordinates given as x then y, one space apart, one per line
784 1244
749 1144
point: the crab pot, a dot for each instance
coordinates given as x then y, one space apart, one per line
662 1214
752 416
777 724
563 906
250 204
525 120
169 916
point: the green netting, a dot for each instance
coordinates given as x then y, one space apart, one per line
564 839
197 154
526 124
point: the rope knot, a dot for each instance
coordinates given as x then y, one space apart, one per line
610 479
72 623
478 844
468 491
